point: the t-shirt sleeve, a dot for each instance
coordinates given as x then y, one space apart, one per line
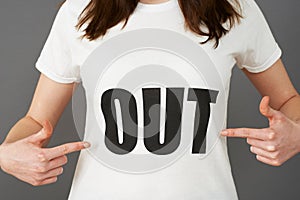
55 60
258 49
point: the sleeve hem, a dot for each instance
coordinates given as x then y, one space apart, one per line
55 77
268 63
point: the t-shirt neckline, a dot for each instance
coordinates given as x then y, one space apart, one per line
158 7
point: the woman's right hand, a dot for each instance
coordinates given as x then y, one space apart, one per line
27 160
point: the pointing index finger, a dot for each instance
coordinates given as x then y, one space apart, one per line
66 149
246 133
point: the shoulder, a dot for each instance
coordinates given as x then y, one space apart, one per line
69 12
250 10
252 17
75 7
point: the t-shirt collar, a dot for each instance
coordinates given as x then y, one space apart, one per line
157 7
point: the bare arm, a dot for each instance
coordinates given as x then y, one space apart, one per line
276 84
281 105
22 154
49 101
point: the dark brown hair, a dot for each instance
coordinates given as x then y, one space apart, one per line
101 15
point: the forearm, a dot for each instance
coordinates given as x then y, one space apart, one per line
292 109
44 107
23 128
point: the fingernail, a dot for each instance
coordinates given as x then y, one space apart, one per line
224 133
86 144
251 148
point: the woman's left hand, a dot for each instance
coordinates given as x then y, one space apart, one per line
273 145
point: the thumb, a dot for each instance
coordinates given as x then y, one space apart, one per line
266 110
44 134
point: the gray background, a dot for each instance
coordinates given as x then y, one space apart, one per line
24 28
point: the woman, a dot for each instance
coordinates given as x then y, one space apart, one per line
67 59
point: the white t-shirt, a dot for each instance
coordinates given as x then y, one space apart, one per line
154 69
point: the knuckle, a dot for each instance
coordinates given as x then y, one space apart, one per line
35 183
271 135
271 148
42 156
38 177
41 169
65 149
275 155
277 163
276 146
